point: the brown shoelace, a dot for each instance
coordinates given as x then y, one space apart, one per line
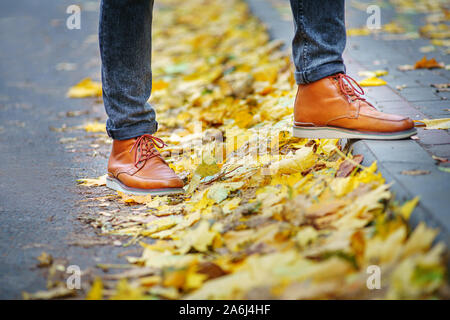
347 86
144 148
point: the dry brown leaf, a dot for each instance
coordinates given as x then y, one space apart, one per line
347 167
428 64
415 172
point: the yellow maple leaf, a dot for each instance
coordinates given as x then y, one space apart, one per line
303 159
351 32
134 199
372 82
160 224
100 181
407 208
229 205
159 85
199 238
95 127
126 291
430 124
96 291
393 27
375 73
85 88
219 191
194 280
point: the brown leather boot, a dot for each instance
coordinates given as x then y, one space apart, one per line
333 108
136 167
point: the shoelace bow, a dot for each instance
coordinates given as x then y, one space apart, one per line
145 148
347 86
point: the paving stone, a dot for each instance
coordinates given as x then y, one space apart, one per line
433 109
419 94
382 94
433 136
395 80
444 95
401 107
391 172
441 150
435 200
399 151
429 77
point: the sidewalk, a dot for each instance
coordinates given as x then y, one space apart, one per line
417 100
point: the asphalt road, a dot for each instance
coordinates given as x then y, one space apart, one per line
38 192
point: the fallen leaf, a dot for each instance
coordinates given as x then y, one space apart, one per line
211 270
58 292
199 238
428 64
415 172
372 82
220 191
375 73
208 167
407 208
393 27
85 88
95 127
45 260
302 160
134 199
440 159
430 124
347 166
441 86
96 291
95 182
444 169
426 49
351 32
405 67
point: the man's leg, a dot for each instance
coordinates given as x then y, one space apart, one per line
135 165
319 39
329 103
125 48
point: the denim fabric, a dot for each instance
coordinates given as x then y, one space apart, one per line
319 39
125 49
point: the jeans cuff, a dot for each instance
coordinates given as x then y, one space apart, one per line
325 70
132 131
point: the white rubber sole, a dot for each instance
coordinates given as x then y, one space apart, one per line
337 133
119 186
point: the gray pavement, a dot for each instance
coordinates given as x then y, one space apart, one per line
417 100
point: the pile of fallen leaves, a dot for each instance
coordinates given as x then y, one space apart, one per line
265 215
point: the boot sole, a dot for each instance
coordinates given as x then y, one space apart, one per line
115 184
338 133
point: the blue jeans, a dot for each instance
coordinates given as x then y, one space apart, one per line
125 49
